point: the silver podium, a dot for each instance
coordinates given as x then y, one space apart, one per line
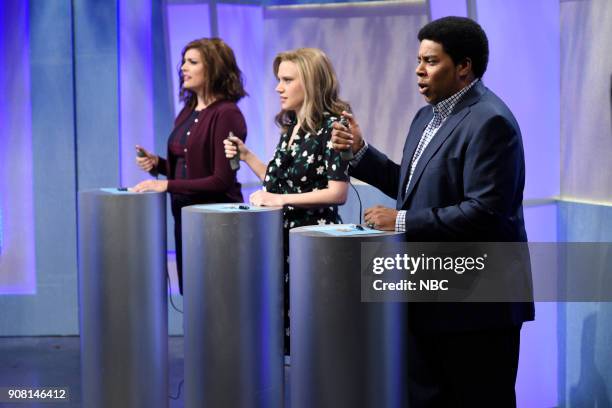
233 306
123 313
344 353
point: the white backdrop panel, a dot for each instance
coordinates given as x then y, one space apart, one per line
373 48
586 101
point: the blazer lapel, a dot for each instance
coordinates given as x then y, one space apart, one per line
459 112
412 142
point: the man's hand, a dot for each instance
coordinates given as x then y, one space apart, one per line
380 218
344 138
159 186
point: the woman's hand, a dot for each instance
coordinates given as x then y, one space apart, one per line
234 144
263 198
146 160
158 186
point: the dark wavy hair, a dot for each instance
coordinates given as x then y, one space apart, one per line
461 38
223 78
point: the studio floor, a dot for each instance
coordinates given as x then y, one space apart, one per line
55 362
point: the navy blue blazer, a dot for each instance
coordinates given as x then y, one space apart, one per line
468 187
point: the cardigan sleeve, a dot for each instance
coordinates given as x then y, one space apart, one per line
162 167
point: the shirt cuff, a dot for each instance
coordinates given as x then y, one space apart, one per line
359 155
400 221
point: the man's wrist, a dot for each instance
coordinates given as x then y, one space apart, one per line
400 221
360 145
358 155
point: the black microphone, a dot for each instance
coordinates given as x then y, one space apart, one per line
141 153
347 154
234 161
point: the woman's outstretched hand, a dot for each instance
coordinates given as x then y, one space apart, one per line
263 198
158 186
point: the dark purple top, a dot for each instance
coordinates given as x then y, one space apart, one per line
196 164
177 144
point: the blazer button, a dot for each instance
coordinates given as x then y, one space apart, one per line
185 150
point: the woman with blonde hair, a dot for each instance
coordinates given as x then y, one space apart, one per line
196 168
306 176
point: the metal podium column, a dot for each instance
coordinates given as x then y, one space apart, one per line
344 353
233 271
123 311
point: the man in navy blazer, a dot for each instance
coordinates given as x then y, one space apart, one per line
461 179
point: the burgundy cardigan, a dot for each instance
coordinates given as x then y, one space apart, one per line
209 175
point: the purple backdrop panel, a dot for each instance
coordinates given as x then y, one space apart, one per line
541 222
186 22
17 256
537 380
135 85
443 8
524 71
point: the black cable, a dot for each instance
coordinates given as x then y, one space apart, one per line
180 386
358 198
178 393
170 293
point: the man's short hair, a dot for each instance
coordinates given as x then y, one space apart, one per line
461 38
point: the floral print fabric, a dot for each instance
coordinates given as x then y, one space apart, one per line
307 165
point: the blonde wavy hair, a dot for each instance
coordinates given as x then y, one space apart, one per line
320 89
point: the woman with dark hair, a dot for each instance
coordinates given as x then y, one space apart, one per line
306 176
196 168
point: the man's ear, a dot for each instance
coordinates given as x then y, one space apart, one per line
464 68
